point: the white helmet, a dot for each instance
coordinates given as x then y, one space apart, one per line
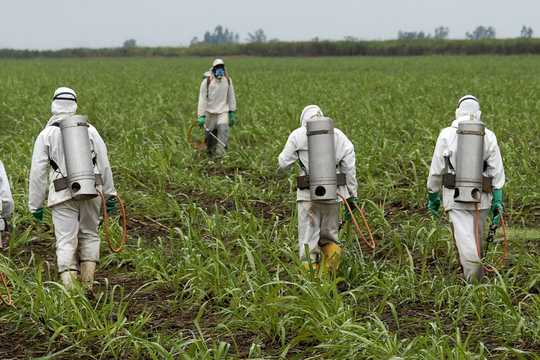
309 112
218 62
468 105
64 101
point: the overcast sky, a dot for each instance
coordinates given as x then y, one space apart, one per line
41 24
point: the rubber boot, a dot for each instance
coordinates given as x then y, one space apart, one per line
68 278
331 257
88 269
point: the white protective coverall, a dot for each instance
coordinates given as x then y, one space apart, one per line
216 99
462 215
318 221
7 205
75 222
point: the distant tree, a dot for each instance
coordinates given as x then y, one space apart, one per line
412 35
131 43
526 32
194 41
481 33
441 33
220 35
257 37
351 38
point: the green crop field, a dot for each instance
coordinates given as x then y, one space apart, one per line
211 270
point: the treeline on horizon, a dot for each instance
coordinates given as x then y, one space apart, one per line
302 48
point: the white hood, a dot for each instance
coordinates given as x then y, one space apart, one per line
309 112
468 105
218 62
64 101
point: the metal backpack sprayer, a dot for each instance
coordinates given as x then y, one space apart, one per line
81 179
467 178
323 180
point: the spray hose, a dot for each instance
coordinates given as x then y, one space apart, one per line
106 232
7 299
506 244
371 243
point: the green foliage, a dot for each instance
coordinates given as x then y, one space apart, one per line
481 33
436 45
129 44
219 36
211 270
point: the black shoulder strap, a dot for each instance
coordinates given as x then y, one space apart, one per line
53 164
448 163
300 163
208 80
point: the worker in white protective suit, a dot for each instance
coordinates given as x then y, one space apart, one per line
318 222
217 108
6 205
75 221
464 216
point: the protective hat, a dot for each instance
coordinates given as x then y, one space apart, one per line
218 62
64 101
309 112
468 105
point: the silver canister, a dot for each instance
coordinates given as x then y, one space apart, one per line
470 161
78 155
322 159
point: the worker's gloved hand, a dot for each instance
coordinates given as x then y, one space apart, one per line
352 204
112 205
232 118
38 215
497 208
201 120
434 203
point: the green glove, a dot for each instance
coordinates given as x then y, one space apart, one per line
232 118
201 120
352 204
497 208
434 203
38 215
112 205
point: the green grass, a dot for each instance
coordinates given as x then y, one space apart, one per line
211 269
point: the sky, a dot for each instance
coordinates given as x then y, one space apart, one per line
39 24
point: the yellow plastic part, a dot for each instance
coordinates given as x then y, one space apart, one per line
311 266
331 257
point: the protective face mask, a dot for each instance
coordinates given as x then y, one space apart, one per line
219 72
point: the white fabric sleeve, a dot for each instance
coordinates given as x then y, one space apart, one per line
201 109
38 182
289 155
104 166
348 166
231 97
434 182
495 167
5 194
